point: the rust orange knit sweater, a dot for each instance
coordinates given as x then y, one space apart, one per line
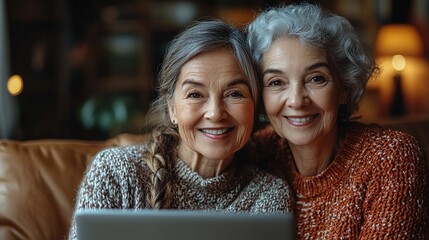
376 187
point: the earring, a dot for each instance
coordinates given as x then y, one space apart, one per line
173 121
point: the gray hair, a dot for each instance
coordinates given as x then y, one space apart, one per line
201 36
351 61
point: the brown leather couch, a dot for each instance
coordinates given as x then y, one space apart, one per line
39 178
38 182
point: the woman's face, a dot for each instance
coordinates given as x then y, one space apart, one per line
300 94
212 106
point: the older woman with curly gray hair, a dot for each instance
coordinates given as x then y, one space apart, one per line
349 180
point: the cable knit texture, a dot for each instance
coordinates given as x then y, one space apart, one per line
118 178
375 188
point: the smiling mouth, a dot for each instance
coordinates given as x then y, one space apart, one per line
216 131
301 120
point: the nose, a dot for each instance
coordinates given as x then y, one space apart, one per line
215 110
297 96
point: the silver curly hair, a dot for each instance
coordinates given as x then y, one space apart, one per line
351 60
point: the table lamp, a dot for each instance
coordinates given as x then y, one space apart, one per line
398 42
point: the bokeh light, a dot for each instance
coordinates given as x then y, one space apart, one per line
398 62
15 85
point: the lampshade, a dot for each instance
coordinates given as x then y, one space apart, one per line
403 39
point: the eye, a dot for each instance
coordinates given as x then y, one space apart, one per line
194 95
235 94
276 83
317 80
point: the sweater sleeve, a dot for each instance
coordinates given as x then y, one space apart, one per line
396 204
110 182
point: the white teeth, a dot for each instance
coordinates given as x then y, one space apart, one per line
215 131
300 120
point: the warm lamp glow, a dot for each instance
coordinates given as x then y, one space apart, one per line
403 39
15 85
398 62
398 42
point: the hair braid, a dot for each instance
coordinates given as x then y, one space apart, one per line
159 157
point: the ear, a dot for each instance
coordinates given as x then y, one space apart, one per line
172 112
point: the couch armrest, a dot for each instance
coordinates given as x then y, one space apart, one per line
38 183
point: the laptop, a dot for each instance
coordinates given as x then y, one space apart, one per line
182 225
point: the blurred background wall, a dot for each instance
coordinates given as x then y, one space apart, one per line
86 69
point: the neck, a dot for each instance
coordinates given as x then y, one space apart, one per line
205 167
311 160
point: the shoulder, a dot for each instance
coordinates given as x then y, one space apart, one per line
265 177
274 193
116 168
387 141
115 179
393 169
118 158
386 150
268 182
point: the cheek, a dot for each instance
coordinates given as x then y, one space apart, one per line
330 106
329 102
245 122
272 103
186 128
243 113
186 116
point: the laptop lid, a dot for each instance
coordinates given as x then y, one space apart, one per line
182 225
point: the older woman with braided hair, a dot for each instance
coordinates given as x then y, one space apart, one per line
206 111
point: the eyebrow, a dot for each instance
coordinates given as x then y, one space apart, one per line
311 67
317 65
196 83
237 82
191 82
272 70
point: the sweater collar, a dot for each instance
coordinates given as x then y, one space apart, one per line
186 174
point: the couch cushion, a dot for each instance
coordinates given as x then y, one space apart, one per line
38 183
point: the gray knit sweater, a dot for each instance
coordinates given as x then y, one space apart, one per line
117 178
